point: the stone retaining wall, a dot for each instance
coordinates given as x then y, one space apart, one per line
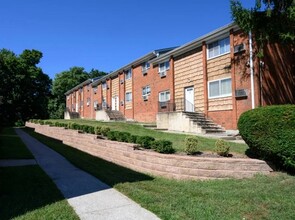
171 166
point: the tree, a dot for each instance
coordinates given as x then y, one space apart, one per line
65 81
24 87
269 20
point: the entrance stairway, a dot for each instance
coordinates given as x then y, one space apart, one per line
207 125
115 115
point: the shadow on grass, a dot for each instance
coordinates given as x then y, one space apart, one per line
105 171
29 193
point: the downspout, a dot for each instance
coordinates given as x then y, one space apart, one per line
251 70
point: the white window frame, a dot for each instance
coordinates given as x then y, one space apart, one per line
95 103
145 67
104 85
218 47
146 91
163 68
95 90
219 83
167 97
128 74
88 101
128 96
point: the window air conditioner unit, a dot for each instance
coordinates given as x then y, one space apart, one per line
162 74
163 104
144 72
122 103
145 98
122 81
239 93
239 48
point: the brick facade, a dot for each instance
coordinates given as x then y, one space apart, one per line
189 66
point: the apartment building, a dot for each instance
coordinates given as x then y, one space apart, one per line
217 76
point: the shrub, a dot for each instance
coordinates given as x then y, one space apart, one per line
145 141
97 130
132 139
75 126
162 146
191 145
222 148
112 135
269 133
104 130
91 130
19 123
123 136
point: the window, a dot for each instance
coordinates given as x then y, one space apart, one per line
104 85
163 67
164 96
95 104
81 104
218 48
145 92
220 88
81 90
68 97
128 74
95 90
88 101
88 87
128 96
145 68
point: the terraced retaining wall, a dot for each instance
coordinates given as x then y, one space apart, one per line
171 166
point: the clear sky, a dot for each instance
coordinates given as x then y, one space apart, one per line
105 34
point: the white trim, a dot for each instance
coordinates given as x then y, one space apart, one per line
220 96
165 91
217 39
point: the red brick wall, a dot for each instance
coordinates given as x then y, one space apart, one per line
87 108
146 111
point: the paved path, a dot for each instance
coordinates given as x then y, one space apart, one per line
91 198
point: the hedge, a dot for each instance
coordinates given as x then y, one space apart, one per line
270 134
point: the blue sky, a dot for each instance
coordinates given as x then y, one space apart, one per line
105 34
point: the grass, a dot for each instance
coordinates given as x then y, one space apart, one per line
261 197
26 192
205 144
11 146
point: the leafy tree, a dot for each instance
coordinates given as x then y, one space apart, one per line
24 88
269 20
65 81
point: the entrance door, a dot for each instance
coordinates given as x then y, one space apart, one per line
115 103
189 99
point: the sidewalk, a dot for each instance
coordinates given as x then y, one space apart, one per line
90 198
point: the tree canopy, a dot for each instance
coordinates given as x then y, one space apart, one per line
269 20
65 81
24 88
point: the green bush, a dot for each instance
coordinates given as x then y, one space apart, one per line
123 136
132 139
19 123
162 146
104 130
191 145
97 130
75 126
112 135
145 141
221 148
270 134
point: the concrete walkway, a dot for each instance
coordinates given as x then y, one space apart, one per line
90 198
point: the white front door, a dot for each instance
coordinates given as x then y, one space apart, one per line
115 103
189 99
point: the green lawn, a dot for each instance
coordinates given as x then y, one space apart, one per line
205 144
26 192
261 197
11 146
